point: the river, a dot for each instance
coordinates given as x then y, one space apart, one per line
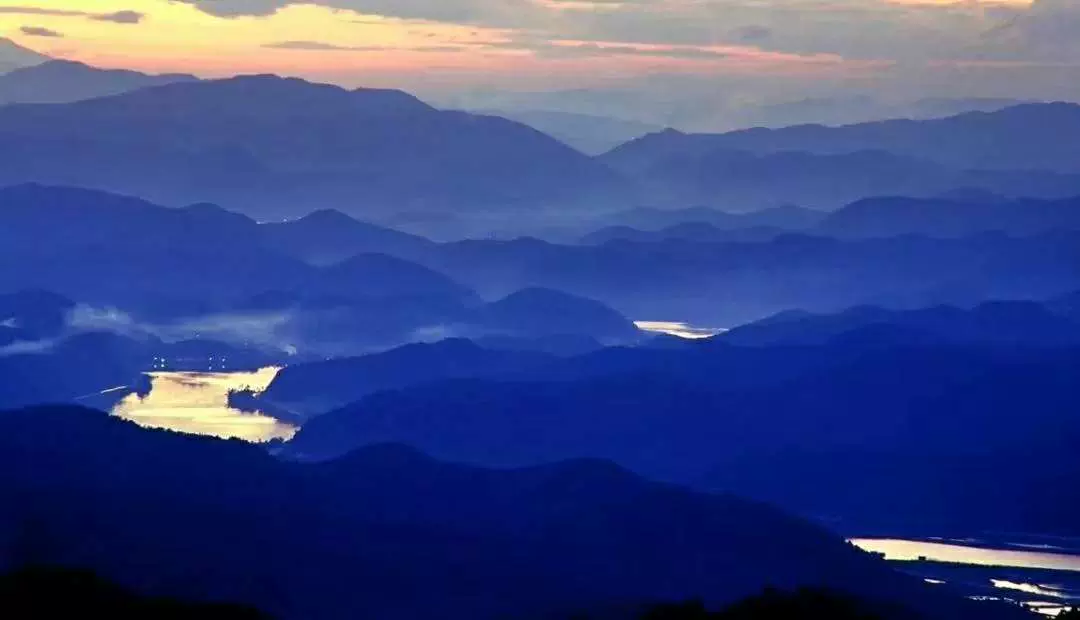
1042 577
679 329
198 403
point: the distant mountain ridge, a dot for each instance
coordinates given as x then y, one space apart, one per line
1018 151
65 81
335 280
14 56
1019 323
588 133
947 217
276 146
1025 136
386 155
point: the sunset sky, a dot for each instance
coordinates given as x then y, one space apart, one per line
756 49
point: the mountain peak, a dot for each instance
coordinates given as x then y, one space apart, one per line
328 217
279 95
63 68
286 84
14 56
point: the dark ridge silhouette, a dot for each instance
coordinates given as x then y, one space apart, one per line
727 284
65 81
814 429
562 345
373 303
788 217
63 370
698 232
78 366
123 252
1016 151
1066 305
47 592
546 312
777 605
202 265
377 276
320 386
31 315
305 146
1022 137
126 252
746 181
100 220
1024 323
328 236
886 217
199 264
380 533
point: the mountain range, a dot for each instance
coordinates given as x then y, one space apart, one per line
65 81
475 327
324 283
952 215
777 412
1015 151
387 156
303 148
1021 137
380 532
161 264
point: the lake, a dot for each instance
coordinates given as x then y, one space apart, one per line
1043 577
906 550
679 329
198 403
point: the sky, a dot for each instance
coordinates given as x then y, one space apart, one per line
710 56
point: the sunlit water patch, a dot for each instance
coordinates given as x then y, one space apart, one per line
1044 582
908 550
675 328
198 403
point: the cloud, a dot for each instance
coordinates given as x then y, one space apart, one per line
319 46
892 30
452 11
38 31
33 10
28 347
752 34
120 17
1049 30
594 49
117 17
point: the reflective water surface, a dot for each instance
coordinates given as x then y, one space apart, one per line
1034 576
198 403
894 549
676 328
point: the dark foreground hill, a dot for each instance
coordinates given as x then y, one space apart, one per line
34 593
883 428
389 533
